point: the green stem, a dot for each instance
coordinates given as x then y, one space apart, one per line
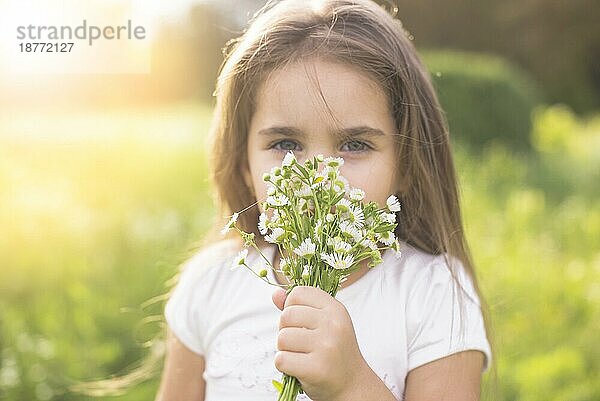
291 388
266 280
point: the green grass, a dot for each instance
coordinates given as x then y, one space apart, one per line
99 208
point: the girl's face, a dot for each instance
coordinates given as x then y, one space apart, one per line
290 115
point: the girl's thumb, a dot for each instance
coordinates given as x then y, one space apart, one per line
278 297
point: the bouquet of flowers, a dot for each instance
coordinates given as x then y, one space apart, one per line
322 228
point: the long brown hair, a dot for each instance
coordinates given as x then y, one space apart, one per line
365 35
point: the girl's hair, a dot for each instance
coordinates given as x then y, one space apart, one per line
362 34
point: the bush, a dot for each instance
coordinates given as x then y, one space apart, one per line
569 152
484 97
533 223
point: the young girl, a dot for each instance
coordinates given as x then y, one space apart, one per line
337 78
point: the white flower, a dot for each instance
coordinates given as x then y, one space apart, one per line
329 217
306 272
230 223
275 235
262 223
357 194
338 244
278 201
369 243
306 248
319 180
284 266
393 204
350 229
396 248
275 171
343 205
338 260
330 172
333 161
387 217
341 184
240 259
289 159
271 190
303 192
277 180
357 216
386 238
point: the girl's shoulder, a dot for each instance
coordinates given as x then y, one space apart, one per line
416 269
209 258
217 250
412 260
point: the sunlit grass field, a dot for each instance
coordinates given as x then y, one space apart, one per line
97 209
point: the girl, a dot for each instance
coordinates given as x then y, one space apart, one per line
338 78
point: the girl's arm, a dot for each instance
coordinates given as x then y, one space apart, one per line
456 377
182 375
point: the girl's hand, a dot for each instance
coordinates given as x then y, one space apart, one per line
317 344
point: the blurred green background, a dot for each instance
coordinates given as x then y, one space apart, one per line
104 191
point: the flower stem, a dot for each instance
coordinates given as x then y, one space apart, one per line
291 388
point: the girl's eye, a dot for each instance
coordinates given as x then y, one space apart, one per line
357 146
352 146
286 145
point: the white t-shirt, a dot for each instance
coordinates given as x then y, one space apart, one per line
403 311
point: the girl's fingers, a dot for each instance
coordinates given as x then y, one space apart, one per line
309 296
293 363
299 316
278 298
295 339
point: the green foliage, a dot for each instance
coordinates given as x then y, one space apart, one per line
484 97
95 225
533 222
571 160
557 42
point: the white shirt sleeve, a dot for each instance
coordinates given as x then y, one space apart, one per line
188 310
434 316
181 312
